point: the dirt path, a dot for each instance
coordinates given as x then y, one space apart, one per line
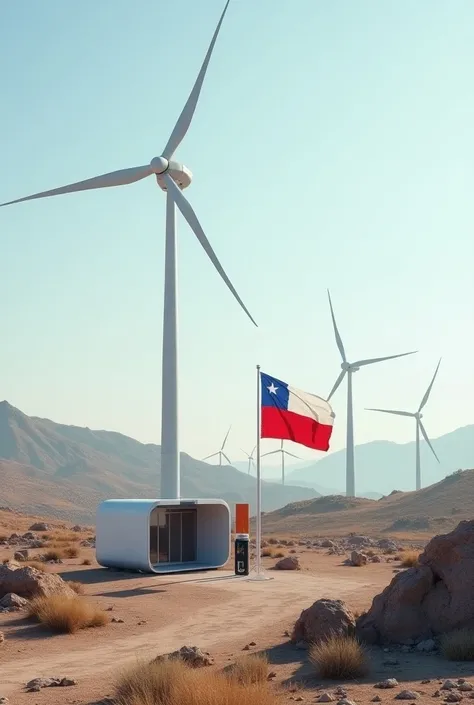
233 609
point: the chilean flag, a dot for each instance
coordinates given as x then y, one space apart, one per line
290 414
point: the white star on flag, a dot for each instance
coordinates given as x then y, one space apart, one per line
272 389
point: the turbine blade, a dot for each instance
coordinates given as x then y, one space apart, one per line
425 436
336 384
227 458
253 451
392 411
271 452
245 453
226 437
287 452
114 178
339 342
184 120
361 363
428 391
191 217
213 455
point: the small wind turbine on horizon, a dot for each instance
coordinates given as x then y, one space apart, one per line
349 368
250 459
417 415
283 452
220 452
172 178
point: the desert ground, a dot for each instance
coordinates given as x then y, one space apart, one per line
225 615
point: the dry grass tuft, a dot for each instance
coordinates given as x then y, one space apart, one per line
66 614
36 564
279 554
267 552
339 658
249 670
71 552
409 559
76 586
458 645
174 683
53 555
87 561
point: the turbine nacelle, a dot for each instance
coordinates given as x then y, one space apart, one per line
180 174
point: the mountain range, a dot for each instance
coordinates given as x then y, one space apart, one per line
384 466
51 469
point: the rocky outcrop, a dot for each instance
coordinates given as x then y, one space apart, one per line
193 656
324 618
358 559
288 563
433 599
29 582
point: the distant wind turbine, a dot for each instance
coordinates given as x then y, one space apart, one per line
249 458
349 368
220 452
283 452
419 426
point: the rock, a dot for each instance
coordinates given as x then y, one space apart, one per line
67 682
192 655
325 698
386 684
2 637
432 599
327 543
117 620
465 687
12 603
358 559
4 701
323 618
21 556
29 582
360 541
288 563
38 683
387 544
449 685
376 699
345 701
453 697
246 647
375 559
426 645
39 526
77 528
407 695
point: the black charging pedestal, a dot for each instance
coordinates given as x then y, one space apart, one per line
242 554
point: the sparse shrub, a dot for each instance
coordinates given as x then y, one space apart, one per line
71 552
87 561
66 614
279 554
273 541
174 683
267 553
36 564
371 553
53 555
409 559
340 657
249 670
458 645
76 586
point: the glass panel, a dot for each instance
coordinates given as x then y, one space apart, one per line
154 537
189 536
175 537
164 537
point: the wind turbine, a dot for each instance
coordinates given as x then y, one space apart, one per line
283 452
349 368
172 177
249 458
419 426
220 452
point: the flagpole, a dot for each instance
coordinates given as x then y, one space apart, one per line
259 482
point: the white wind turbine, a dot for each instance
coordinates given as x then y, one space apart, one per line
419 426
249 458
283 452
349 368
220 452
172 177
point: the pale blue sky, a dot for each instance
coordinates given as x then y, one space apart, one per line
333 146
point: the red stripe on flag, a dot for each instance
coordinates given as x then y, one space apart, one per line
286 425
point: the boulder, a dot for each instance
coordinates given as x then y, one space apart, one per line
2 638
360 541
21 556
434 598
39 526
29 582
324 618
358 559
12 603
288 563
192 655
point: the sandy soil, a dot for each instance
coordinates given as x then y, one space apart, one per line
216 611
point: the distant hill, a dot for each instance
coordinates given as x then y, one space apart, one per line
51 469
383 466
434 509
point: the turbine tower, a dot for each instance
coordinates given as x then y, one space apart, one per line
349 368
419 426
283 452
220 452
172 177
249 458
